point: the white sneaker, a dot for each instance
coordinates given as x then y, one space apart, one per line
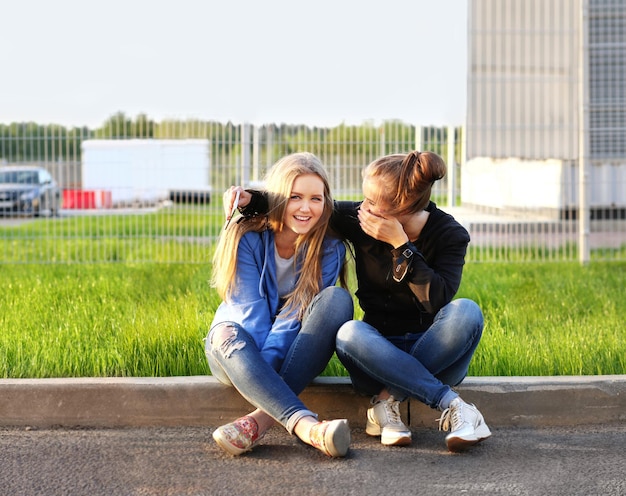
383 419
331 437
466 425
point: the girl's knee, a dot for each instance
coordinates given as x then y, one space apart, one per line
338 297
344 302
226 338
335 303
468 309
347 332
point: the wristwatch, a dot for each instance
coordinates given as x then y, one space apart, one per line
402 260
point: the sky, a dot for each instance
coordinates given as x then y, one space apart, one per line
314 62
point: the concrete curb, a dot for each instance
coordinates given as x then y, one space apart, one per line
203 401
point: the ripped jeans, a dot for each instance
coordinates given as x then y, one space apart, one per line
417 365
237 361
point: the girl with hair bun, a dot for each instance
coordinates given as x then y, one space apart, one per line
415 340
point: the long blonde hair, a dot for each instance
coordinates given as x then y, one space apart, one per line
308 248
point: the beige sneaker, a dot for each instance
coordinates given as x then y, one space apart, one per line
466 425
331 437
383 419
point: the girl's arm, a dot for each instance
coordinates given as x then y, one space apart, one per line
248 305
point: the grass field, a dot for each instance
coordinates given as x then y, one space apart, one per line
125 319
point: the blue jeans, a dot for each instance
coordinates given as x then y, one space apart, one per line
418 365
237 361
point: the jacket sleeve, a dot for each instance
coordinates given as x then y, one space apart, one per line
258 204
248 306
332 261
280 338
286 326
433 283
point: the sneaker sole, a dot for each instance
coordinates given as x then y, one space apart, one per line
374 430
337 440
458 444
395 440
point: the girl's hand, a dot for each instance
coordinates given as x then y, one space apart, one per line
229 197
386 229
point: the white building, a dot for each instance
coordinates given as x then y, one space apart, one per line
530 65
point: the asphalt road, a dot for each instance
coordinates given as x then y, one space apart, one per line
570 461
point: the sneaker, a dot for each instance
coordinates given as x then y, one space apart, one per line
238 436
331 437
466 425
383 419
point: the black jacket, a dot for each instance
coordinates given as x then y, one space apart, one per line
433 278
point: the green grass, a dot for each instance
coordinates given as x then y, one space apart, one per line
179 233
104 320
125 319
549 318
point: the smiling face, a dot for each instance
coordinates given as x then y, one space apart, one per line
306 204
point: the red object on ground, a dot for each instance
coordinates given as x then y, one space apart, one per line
86 199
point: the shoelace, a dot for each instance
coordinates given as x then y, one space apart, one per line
450 419
392 408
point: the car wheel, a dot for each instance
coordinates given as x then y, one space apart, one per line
41 207
45 207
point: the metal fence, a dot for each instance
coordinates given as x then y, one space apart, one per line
546 125
537 172
135 216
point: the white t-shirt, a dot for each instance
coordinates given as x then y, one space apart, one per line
285 274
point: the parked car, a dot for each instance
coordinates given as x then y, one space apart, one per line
28 190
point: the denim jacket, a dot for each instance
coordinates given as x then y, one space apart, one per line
255 304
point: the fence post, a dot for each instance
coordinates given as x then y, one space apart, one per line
583 136
245 154
256 147
419 138
462 130
451 168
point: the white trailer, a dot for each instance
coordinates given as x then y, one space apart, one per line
147 170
